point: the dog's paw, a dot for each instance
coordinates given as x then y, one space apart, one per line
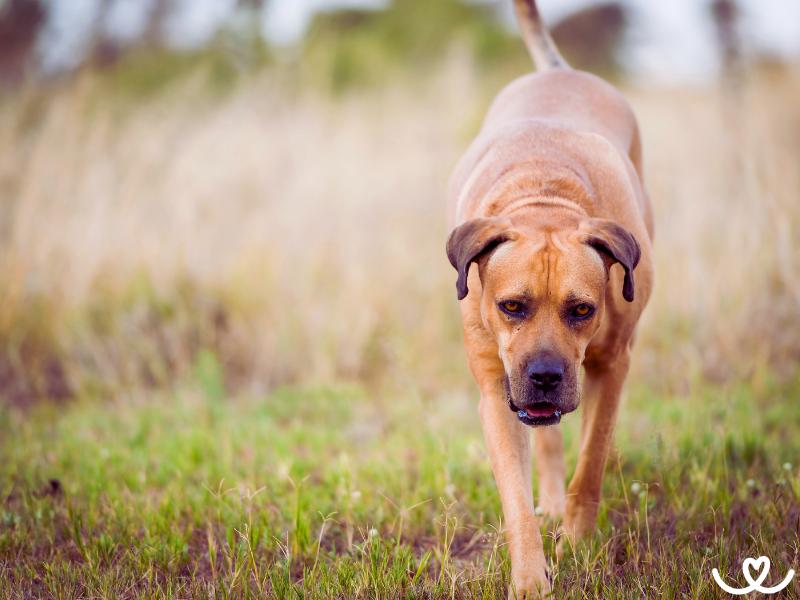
572 530
580 520
564 543
551 507
534 592
533 584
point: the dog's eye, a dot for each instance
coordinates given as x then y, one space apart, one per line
511 308
581 311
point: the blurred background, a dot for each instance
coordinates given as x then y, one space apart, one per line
256 188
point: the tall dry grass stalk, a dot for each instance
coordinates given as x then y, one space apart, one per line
301 237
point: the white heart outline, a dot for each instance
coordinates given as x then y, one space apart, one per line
755 584
763 572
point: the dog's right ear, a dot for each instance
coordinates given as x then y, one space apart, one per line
470 240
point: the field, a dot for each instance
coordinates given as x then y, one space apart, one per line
230 358
328 492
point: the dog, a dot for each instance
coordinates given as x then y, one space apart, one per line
549 205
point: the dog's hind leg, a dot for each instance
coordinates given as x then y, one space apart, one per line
550 469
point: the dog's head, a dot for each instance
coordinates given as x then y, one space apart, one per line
542 299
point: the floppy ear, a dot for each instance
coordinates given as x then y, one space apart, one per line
615 244
472 239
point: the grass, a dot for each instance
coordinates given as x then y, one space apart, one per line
336 491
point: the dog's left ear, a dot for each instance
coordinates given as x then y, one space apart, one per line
615 244
470 240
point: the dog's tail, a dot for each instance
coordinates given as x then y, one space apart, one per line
536 37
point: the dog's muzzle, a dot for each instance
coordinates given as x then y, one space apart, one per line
541 398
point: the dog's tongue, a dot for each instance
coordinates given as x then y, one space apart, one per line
543 409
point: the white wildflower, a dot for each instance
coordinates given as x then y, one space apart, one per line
283 470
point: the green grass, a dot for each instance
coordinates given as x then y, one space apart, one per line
339 491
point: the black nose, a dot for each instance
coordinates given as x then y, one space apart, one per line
545 372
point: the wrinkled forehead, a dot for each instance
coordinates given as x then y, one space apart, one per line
548 264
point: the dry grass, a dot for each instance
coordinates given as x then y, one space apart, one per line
722 171
301 237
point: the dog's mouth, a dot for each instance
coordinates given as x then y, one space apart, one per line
539 414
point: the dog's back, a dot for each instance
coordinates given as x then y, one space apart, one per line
567 99
559 94
536 113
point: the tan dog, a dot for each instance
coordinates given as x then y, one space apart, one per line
548 203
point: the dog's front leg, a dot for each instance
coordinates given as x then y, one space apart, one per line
601 396
508 444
